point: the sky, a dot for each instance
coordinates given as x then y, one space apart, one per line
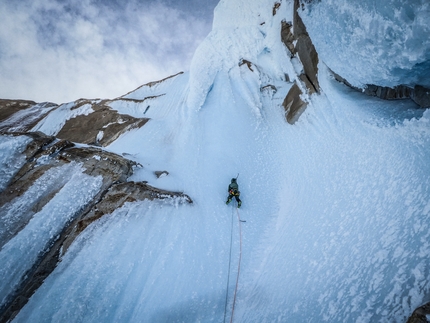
63 50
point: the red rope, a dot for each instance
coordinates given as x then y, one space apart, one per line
238 267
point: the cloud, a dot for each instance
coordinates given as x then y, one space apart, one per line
58 50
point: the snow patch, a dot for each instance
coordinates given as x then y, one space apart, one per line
54 121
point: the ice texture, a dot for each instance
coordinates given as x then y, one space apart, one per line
21 252
242 30
385 43
11 157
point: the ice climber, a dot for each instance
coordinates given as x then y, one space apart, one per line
233 190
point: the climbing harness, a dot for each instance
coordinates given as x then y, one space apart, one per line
229 266
234 192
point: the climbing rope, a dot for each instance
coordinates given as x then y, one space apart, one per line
229 267
238 266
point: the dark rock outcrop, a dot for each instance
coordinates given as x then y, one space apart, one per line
293 104
159 173
101 127
275 8
419 315
309 59
9 107
305 49
297 40
21 115
248 63
419 94
38 144
387 93
296 33
287 36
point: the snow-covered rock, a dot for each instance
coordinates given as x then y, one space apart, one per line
297 40
21 115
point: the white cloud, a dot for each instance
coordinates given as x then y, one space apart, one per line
59 51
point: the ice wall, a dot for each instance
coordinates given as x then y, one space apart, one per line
385 43
242 30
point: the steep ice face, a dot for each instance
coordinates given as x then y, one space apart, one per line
11 158
385 43
241 13
30 242
241 30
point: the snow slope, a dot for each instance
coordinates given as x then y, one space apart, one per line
336 206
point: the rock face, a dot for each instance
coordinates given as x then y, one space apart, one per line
287 36
44 153
276 7
161 173
101 127
9 107
419 315
305 50
419 94
387 93
293 104
297 40
21 116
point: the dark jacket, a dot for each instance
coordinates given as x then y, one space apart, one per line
233 187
